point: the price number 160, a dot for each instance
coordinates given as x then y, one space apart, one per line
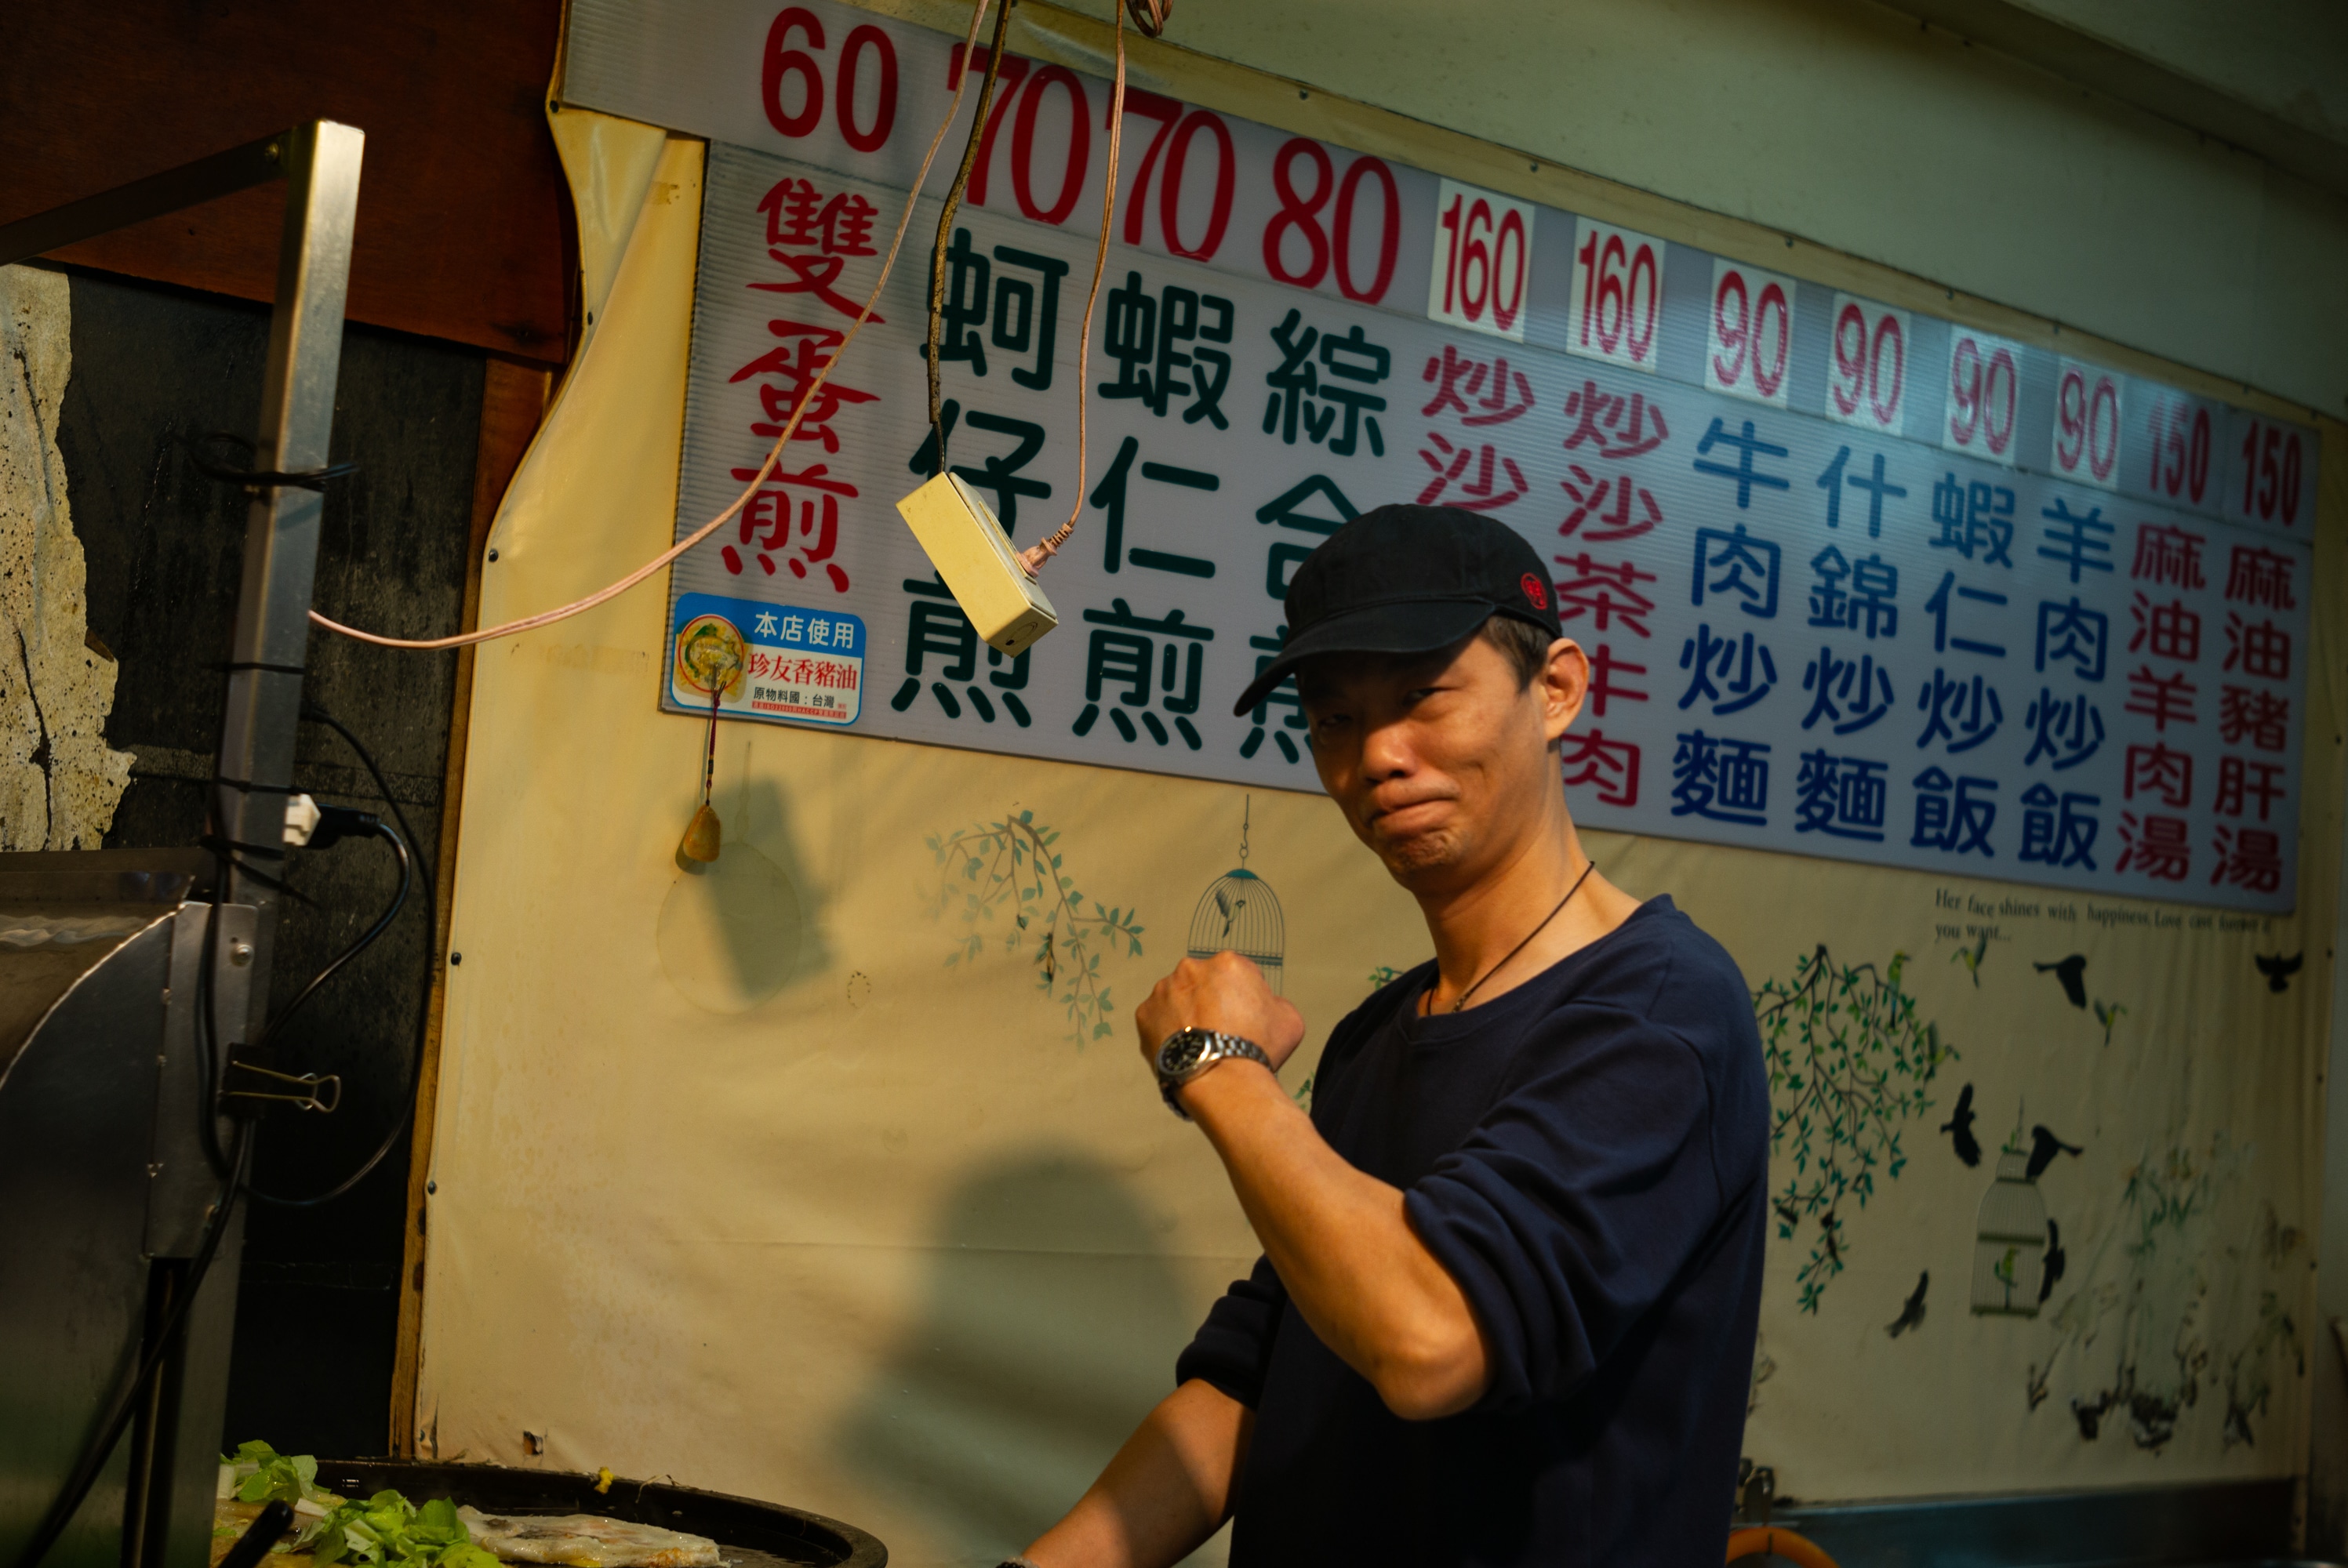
1618 293
1484 256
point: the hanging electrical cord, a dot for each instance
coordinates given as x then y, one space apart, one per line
1032 558
946 217
414 1076
213 1092
118 1416
1149 17
774 453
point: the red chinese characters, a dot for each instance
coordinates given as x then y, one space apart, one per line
805 352
2159 846
793 520
1469 473
2169 556
2248 858
2248 713
1606 500
2166 700
2171 631
2263 649
1611 425
2260 577
811 236
1606 591
823 674
766 526
1608 767
2160 771
1604 686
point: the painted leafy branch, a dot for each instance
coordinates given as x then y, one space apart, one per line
1010 871
1849 1061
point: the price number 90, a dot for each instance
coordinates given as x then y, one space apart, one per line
1866 368
1751 334
2088 425
1984 393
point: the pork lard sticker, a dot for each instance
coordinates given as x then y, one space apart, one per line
759 661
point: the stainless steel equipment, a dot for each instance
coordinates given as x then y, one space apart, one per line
128 979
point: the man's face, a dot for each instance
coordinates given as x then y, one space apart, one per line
1442 763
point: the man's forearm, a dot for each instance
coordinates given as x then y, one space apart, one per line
1168 1490
1343 1246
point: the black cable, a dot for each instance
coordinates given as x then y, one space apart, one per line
85 1473
315 714
383 830
256 479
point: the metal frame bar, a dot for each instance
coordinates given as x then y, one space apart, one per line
169 1521
190 185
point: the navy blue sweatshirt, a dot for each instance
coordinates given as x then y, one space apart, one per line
1588 1156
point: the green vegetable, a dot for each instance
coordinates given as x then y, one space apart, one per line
274 1477
385 1531
390 1531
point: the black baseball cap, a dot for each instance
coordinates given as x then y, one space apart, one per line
1407 580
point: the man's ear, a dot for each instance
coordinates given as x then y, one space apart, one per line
1563 683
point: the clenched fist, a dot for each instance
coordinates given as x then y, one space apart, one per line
1226 993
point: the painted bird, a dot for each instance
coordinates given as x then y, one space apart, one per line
1959 1127
2054 1262
2072 971
2107 1014
1972 956
2043 1147
1911 1313
2278 970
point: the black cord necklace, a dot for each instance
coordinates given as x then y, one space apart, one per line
1461 1000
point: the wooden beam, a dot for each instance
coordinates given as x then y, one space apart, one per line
462 209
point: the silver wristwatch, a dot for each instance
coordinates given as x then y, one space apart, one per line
1188 1052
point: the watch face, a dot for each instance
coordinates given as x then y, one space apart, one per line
1181 1053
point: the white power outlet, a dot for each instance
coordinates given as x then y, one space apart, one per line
958 532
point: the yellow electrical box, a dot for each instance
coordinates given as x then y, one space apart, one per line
958 532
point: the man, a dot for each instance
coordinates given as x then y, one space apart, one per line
1512 1260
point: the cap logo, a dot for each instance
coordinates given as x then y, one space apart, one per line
1532 586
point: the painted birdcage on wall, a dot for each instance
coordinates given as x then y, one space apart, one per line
2010 1242
1240 914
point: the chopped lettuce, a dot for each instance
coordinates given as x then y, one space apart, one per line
390 1531
265 1475
384 1531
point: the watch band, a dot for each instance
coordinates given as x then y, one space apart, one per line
1188 1052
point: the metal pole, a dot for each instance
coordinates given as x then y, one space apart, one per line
258 728
280 546
169 1520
